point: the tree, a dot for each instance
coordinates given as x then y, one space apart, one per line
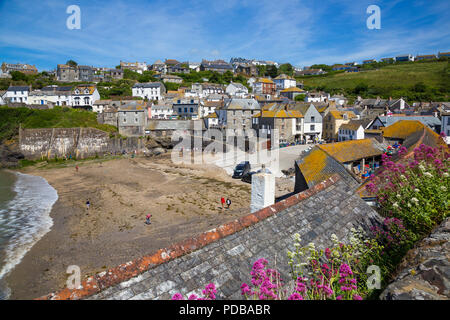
272 71
18 76
286 68
300 97
71 63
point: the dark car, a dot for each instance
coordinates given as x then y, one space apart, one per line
248 177
241 169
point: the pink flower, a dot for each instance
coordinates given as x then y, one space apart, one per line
295 296
177 296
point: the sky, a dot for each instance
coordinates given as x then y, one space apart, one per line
301 32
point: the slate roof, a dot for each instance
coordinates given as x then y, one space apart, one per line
19 88
353 150
279 114
351 125
147 85
242 104
317 166
135 105
340 114
430 121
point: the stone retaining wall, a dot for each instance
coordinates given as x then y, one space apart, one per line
226 254
77 142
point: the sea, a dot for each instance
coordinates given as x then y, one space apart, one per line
25 205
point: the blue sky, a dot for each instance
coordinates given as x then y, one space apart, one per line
302 32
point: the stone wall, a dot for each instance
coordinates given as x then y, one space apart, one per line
75 142
425 271
225 255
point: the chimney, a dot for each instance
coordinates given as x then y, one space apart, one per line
263 190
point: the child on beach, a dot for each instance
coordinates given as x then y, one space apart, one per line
147 219
222 201
88 204
76 168
228 203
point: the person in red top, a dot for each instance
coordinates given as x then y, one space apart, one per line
222 200
148 219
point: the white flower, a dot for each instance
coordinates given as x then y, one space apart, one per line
334 238
409 205
399 196
429 175
297 237
402 177
415 200
421 167
443 188
446 174
416 190
395 205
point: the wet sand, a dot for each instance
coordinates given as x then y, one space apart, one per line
183 199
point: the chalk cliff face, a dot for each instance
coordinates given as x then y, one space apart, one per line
425 271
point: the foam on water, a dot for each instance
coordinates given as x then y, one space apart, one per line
24 221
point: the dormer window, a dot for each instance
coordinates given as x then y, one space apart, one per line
86 91
77 91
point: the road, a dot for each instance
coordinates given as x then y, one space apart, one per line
273 161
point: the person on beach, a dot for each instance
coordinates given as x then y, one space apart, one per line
88 204
76 168
147 219
222 200
228 203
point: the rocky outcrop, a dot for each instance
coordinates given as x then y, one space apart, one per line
425 271
10 155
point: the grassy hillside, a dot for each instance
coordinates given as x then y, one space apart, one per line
414 81
11 118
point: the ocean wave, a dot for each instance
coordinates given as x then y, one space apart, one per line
25 220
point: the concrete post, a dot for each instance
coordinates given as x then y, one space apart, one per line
263 190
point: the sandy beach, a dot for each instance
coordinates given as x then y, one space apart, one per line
184 200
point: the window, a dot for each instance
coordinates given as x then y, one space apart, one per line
313 119
136 120
124 119
192 110
448 121
312 127
179 110
185 109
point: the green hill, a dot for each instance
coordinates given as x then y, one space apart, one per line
58 117
415 81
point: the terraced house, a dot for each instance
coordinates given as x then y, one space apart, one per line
289 123
133 118
237 114
17 94
149 90
333 121
264 86
84 96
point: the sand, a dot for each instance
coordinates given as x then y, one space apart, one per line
184 200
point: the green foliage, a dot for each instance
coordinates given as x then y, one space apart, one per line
286 68
388 80
71 63
18 76
58 117
300 97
